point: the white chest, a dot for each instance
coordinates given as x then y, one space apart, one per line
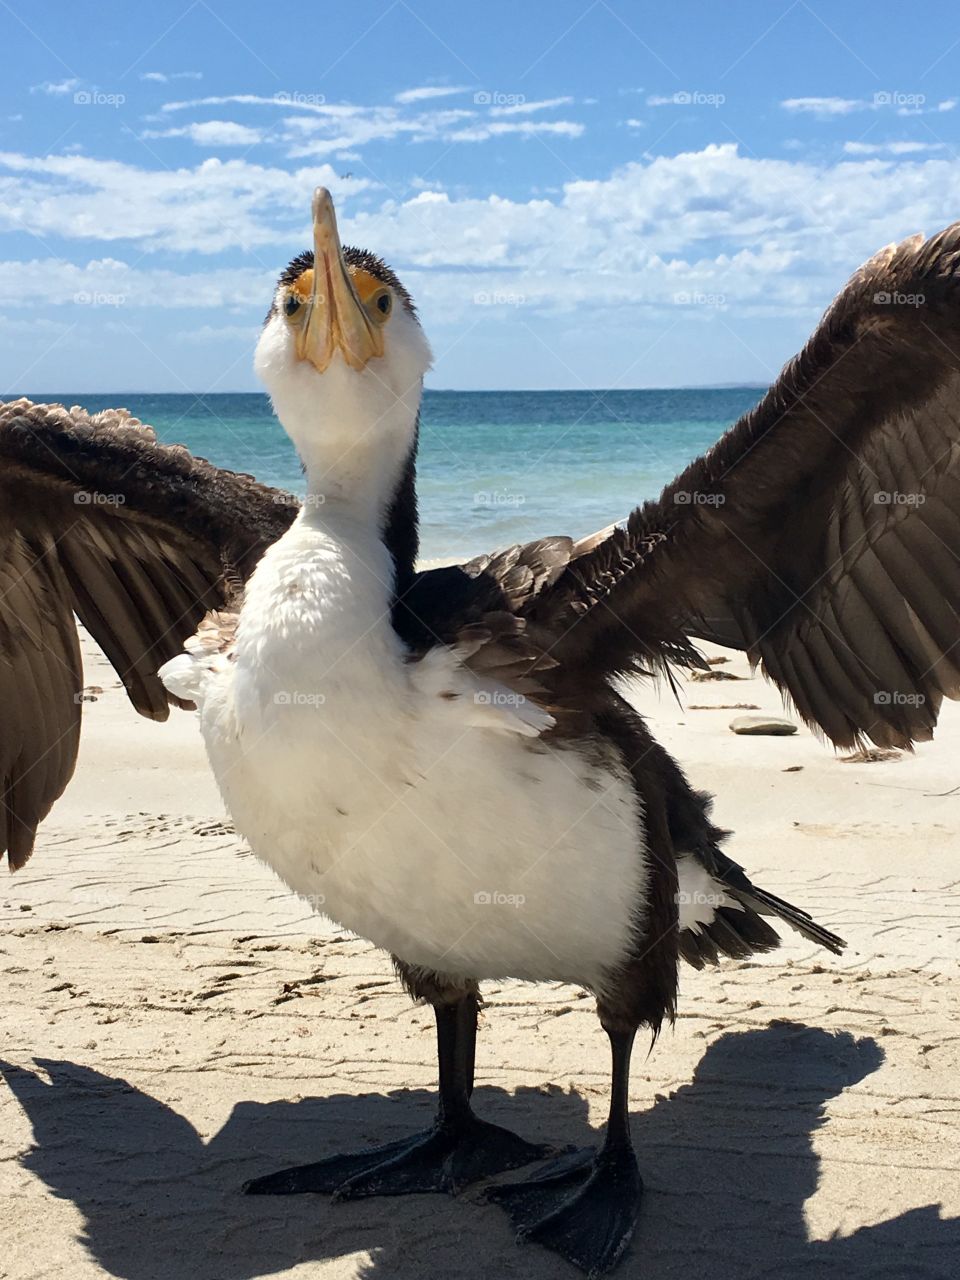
462 849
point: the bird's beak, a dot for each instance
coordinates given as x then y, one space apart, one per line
336 318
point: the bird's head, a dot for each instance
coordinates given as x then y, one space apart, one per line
343 357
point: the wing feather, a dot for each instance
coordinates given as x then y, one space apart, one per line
137 539
822 533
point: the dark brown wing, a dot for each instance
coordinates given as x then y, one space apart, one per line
822 533
137 539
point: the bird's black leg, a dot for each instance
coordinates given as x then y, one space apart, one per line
585 1205
457 1150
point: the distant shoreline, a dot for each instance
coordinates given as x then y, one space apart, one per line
41 397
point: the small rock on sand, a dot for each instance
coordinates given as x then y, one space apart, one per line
768 726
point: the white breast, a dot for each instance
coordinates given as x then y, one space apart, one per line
405 815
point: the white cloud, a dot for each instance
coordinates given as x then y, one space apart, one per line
426 92
824 106
937 109
769 236
212 133
282 98
761 237
55 88
482 131
110 286
527 108
217 205
313 127
903 148
313 135
903 104
164 77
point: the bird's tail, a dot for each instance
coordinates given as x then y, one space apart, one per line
769 904
726 914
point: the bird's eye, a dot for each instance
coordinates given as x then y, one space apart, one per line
291 304
383 302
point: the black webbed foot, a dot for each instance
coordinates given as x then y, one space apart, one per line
446 1158
583 1207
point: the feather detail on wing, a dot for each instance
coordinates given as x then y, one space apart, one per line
137 539
821 534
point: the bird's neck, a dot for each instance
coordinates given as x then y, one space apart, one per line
358 448
354 503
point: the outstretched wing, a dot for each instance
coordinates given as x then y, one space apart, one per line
822 533
137 539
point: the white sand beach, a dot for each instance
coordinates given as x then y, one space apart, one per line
174 1022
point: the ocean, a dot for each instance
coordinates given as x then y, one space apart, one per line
495 467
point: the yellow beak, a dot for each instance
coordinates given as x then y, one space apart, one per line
336 318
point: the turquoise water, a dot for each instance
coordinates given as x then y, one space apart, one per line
495 466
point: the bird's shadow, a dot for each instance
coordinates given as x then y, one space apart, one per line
728 1162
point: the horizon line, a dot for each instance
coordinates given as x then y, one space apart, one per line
493 391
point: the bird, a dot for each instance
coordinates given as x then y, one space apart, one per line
442 760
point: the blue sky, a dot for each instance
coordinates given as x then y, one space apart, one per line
579 194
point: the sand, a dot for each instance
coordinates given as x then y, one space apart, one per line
174 1022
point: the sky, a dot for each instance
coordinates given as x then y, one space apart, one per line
585 193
